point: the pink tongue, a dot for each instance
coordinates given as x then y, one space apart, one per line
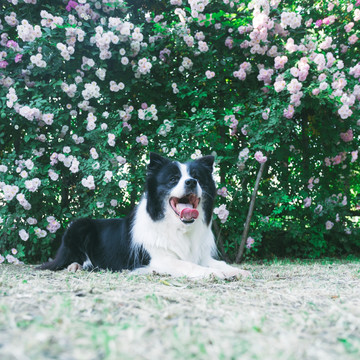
189 214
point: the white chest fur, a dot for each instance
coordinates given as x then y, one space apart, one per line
171 237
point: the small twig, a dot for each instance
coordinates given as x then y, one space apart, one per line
249 215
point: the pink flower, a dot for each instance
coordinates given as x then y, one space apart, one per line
249 242
240 74
329 225
354 155
11 43
18 58
260 157
265 114
307 201
326 21
289 112
222 192
279 85
348 26
229 42
353 39
222 213
280 62
71 5
209 74
347 136
3 64
244 130
318 22
142 139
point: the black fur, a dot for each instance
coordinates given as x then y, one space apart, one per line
106 242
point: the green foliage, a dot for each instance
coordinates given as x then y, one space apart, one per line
98 85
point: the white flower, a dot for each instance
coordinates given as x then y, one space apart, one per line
329 225
53 175
88 182
10 191
108 176
123 184
74 168
244 154
33 185
196 155
222 213
260 157
23 235
101 73
94 153
31 221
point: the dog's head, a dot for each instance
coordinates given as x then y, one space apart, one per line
180 190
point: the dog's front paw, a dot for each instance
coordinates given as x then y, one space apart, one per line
74 267
233 272
203 272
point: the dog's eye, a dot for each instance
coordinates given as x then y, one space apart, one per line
195 175
174 179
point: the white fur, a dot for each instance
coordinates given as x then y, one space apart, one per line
87 263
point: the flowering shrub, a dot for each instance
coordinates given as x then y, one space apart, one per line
89 87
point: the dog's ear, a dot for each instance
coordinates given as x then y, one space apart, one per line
207 161
156 162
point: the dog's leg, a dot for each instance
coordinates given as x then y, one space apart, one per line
178 268
228 270
74 267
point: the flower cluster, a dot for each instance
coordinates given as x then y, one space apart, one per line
92 90
165 128
147 113
143 68
27 32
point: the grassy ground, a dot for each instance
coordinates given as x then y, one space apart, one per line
285 311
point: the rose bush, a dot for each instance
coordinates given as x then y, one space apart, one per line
89 87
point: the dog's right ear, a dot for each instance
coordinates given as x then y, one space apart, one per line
156 162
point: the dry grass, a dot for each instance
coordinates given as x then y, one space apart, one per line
286 311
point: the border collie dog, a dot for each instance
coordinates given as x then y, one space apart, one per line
169 232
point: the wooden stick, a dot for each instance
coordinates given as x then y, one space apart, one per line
249 215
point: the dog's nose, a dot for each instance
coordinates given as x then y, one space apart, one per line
190 183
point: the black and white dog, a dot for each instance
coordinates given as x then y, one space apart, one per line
169 232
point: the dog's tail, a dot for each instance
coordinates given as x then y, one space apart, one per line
72 248
63 258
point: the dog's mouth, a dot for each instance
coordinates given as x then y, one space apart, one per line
186 207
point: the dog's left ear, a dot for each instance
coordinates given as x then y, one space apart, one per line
156 161
207 161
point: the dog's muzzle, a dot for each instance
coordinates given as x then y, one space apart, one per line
186 207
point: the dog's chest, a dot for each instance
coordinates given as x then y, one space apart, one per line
170 238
